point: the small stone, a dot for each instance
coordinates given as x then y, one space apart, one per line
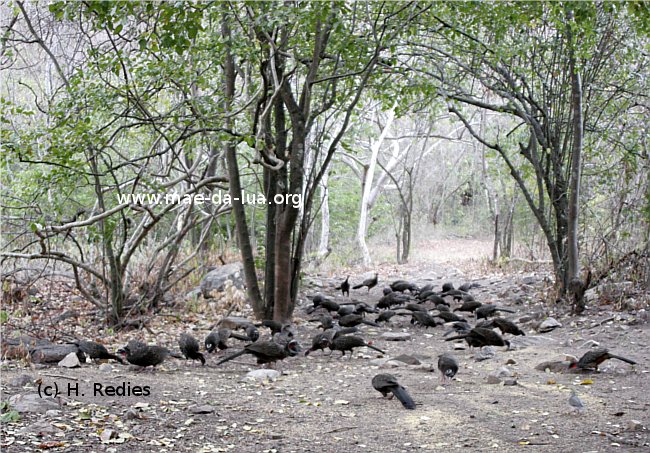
379 362
262 375
486 353
22 380
32 403
39 429
131 414
548 325
408 359
106 367
396 336
510 381
459 346
70 361
511 362
203 409
492 379
107 435
590 344
524 319
634 425
393 364
52 413
503 372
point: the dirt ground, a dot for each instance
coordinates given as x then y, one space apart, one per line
326 404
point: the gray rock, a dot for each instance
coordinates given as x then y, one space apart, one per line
485 354
510 381
22 380
53 413
407 359
529 280
106 367
396 336
131 414
491 379
194 294
634 425
503 372
214 281
262 375
70 361
459 346
40 429
203 409
379 362
548 325
393 364
31 402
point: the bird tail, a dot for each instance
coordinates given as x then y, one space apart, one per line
457 337
403 396
231 357
370 323
357 286
200 357
176 355
375 348
630 361
239 337
507 310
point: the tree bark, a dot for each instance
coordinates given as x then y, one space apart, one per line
324 246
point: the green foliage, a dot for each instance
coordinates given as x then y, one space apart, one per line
8 415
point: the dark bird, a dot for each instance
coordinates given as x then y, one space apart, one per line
369 283
479 337
321 340
275 326
140 354
447 316
427 287
387 383
487 310
392 298
456 294
469 306
354 320
436 299
362 308
345 287
252 333
403 285
267 351
592 359
423 318
416 307
448 366
448 286
330 305
385 316
326 322
426 293
96 351
190 348
459 327
348 343
443 307
506 326
346 310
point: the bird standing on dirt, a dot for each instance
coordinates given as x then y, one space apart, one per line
576 403
354 320
140 354
369 283
348 343
387 383
321 340
190 347
479 337
96 351
448 366
345 287
487 310
469 306
267 351
591 359
505 326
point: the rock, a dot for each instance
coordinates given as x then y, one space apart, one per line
634 425
590 344
379 362
53 413
524 319
529 280
131 414
408 359
511 362
262 375
485 353
31 402
459 346
107 434
22 380
557 366
510 381
396 336
194 294
40 429
214 281
548 325
491 379
106 367
503 372
203 409
393 364
70 361
54 353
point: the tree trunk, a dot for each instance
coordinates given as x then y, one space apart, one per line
324 246
368 176
252 288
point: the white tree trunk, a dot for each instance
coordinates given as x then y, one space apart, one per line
324 245
367 187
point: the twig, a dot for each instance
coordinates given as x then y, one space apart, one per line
61 376
342 428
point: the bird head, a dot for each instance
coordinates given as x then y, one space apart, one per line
124 351
293 347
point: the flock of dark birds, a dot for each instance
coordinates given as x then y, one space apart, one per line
340 324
